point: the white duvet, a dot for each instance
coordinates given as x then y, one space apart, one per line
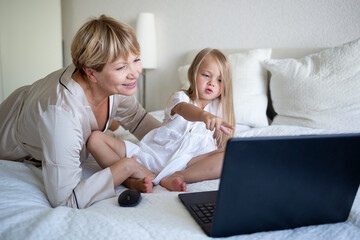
25 212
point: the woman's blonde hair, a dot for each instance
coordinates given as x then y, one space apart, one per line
226 96
102 40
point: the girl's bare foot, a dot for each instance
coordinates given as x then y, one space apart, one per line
174 183
144 185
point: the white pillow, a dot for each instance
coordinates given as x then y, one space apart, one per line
321 90
183 70
249 86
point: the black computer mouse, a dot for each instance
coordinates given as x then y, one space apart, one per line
129 198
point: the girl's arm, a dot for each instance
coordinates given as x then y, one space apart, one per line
192 113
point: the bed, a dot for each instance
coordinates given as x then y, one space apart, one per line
280 99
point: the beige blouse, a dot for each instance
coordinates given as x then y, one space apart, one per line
51 120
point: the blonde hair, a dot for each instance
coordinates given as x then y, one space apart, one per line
226 96
102 40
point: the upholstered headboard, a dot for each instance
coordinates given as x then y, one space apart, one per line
308 87
276 53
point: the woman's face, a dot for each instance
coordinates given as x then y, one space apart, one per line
119 77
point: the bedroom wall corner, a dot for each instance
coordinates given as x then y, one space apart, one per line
30 42
2 23
1 82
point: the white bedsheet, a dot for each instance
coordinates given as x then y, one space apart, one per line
25 212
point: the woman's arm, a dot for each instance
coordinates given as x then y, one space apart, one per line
62 142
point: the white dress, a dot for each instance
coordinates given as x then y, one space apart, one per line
169 148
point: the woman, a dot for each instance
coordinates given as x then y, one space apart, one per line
52 119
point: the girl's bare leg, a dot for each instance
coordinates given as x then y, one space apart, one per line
111 152
106 149
204 167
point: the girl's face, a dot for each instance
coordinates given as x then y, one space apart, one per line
208 81
119 77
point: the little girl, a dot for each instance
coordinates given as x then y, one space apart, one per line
189 146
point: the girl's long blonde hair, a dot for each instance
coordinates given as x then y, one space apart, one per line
226 96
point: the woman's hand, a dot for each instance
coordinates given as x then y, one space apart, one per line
139 170
129 168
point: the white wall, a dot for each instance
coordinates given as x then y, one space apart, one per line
30 42
182 25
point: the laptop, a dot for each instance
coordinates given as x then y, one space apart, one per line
274 183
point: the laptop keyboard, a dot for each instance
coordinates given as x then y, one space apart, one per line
204 211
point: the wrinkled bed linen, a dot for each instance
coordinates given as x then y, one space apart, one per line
25 212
